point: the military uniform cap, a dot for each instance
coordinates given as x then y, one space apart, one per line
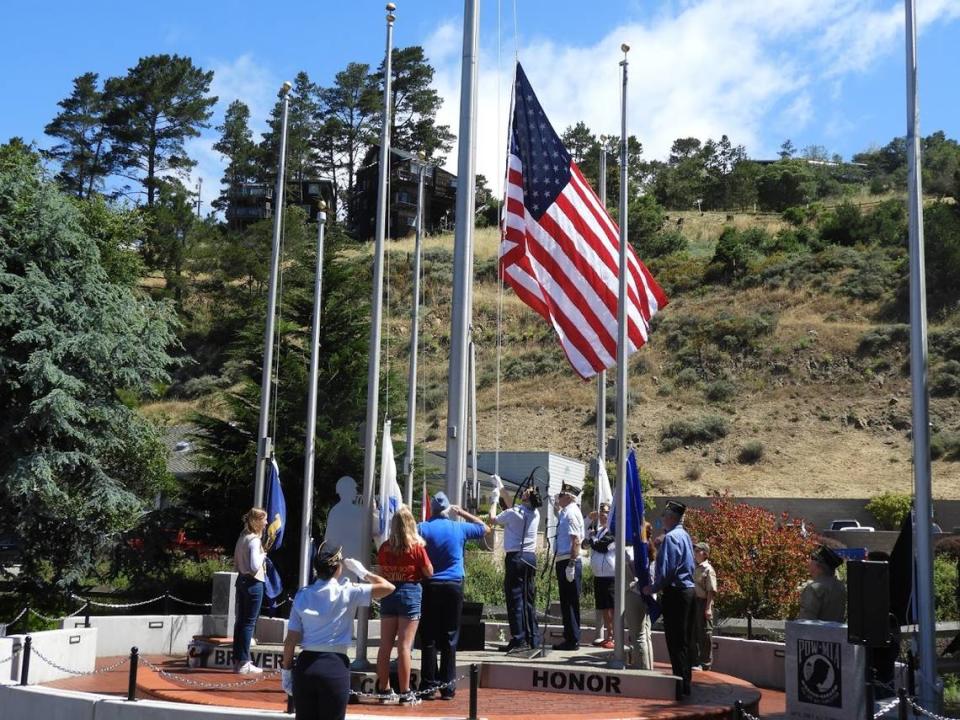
572 490
826 557
677 508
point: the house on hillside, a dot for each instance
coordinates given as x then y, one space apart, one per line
251 202
439 196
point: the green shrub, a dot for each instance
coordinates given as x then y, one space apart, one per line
720 391
750 453
665 242
884 339
945 380
945 445
703 430
889 509
687 378
669 444
945 588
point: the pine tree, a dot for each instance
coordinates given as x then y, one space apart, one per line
154 109
76 464
350 107
302 157
83 155
237 147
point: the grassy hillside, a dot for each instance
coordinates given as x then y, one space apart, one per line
772 387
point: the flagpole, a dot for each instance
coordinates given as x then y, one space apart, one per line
376 318
264 442
474 494
620 584
462 259
309 455
602 375
408 460
926 622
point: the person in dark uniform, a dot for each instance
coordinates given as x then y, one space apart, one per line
674 582
568 565
823 597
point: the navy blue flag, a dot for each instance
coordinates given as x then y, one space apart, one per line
276 523
634 532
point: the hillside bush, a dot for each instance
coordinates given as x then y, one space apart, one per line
760 558
732 256
945 343
945 379
687 378
884 339
720 391
889 509
706 429
665 242
750 453
843 226
945 445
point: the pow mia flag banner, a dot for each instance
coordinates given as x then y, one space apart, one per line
820 679
824 673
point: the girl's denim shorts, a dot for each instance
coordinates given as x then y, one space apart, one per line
403 602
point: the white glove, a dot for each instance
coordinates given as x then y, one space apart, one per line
495 497
449 512
498 483
571 571
286 681
356 567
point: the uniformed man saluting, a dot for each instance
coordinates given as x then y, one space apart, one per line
823 597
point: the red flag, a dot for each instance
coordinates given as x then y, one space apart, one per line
561 250
425 507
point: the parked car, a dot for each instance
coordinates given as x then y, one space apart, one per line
859 528
844 524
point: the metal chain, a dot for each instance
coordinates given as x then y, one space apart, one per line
884 709
78 610
189 602
179 677
45 618
419 693
61 668
121 606
927 713
16 651
22 613
748 716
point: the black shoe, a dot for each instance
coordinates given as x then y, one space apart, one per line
447 695
409 698
512 645
427 692
519 649
566 646
686 687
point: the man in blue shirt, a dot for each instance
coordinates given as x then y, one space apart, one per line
568 566
442 602
520 524
674 582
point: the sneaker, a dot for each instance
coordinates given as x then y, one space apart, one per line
248 668
566 646
388 698
598 642
607 645
519 649
409 698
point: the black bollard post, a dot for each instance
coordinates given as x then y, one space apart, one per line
749 625
86 615
134 666
738 710
25 665
911 673
903 709
474 684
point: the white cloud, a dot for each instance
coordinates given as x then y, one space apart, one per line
706 68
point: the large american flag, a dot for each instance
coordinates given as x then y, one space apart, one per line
561 250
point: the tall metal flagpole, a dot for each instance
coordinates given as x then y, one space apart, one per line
306 517
264 442
602 375
376 318
474 493
929 695
462 258
620 585
414 332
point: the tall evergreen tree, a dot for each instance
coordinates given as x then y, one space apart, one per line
302 157
237 147
415 104
76 464
83 154
350 107
155 108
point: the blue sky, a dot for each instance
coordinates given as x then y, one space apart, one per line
816 71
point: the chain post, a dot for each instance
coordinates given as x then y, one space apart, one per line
911 673
25 665
134 665
903 709
738 710
86 615
474 684
749 625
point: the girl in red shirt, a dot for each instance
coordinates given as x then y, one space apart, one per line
403 561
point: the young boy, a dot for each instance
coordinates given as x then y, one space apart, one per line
705 587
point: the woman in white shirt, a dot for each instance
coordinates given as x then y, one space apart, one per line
248 559
321 622
603 563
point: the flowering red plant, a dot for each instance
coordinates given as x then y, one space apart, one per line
760 557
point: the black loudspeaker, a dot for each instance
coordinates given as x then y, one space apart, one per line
472 627
868 603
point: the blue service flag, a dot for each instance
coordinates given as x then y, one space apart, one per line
276 523
276 509
634 531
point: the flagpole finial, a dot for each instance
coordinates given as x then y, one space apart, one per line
391 8
287 87
625 48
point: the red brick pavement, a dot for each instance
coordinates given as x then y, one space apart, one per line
713 696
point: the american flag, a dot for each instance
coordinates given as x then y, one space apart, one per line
561 250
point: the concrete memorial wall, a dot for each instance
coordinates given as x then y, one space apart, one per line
825 675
